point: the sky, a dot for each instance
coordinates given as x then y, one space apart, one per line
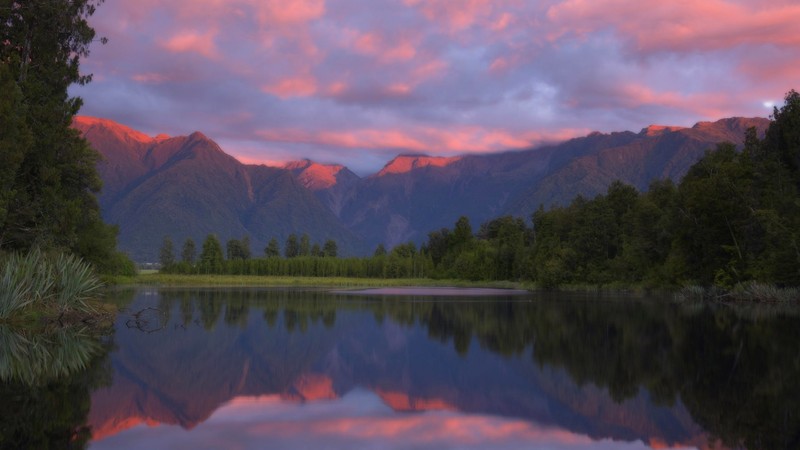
357 82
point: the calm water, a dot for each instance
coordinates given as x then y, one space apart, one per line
254 368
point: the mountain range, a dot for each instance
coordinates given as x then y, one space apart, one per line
187 186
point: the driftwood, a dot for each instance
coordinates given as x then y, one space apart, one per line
148 320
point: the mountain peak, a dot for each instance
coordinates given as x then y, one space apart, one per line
198 136
298 165
315 176
732 123
409 162
657 130
85 124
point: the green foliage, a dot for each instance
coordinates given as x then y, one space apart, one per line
380 250
75 282
305 245
292 248
60 281
238 249
211 256
189 251
330 250
49 175
166 255
272 250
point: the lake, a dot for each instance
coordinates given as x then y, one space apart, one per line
258 368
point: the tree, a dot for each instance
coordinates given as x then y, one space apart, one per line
15 139
407 250
462 233
238 249
783 135
292 248
380 250
272 250
305 245
49 176
166 255
189 252
211 256
715 197
315 250
330 249
437 245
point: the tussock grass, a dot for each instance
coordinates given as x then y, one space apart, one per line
61 282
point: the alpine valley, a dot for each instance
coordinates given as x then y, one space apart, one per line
187 186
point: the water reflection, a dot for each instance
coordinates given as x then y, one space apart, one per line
250 366
38 357
46 377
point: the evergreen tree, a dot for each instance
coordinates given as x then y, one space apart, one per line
305 245
166 255
380 250
438 244
49 175
330 249
462 233
189 252
238 249
292 249
211 255
272 250
315 250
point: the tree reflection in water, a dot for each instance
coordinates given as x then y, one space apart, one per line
733 369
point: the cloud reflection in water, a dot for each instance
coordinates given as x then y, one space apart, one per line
360 419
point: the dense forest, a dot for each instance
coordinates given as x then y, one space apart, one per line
48 175
734 218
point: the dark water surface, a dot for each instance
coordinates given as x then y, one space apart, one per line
258 368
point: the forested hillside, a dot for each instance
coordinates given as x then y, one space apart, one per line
733 218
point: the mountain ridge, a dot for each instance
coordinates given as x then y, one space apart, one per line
187 186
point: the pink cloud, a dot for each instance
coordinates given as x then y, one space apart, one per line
432 428
150 78
301 86
433 76
192 41
383 49
682 25
464 139
427 70
288 11
463 14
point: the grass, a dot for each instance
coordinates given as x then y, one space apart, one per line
60 283
158 279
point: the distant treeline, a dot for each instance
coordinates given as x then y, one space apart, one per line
734 217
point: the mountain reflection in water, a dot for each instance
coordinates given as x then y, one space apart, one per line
250 368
